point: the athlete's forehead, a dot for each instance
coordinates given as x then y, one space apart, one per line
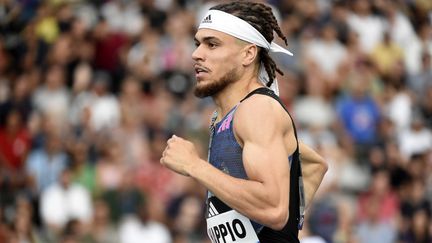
208 35
204 34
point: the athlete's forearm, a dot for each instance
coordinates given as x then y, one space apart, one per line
313 169
313 175
248 197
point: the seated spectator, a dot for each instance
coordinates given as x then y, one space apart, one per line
326 57
381 194
187 215
44 165
64 201
83 169
419 229
367 25
102 229
418 46
23 228
386 55
373 229
14 143
52 98
125 199
323 218
421 81
111 167
416 140
133 229
19 100
104 107
359 114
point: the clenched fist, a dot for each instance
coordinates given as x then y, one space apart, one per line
180 155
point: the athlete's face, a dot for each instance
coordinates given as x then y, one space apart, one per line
217 61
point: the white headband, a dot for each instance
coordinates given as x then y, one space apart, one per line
232 25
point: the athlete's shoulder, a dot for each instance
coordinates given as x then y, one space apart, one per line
260 115
260 106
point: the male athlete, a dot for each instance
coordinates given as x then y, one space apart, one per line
257 188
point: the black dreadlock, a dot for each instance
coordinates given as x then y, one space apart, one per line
261 17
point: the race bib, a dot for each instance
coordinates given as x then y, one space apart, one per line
230 227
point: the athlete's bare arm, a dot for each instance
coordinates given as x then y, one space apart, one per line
261 124
313 169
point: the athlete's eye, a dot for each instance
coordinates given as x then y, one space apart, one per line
211 45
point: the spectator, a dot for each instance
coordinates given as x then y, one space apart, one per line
415 140
386 55
64 201
187 214
83 170
102 229
104 107
24 230
326 57
52 98
323 219
144 57
420 45
373 229
19 100
401 29
44 165
359 114
130 133
124 200
419 231
123 16
14 143
110 168
135 229
420 82
379 195
369 27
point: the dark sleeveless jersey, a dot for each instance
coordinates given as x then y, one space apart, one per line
226 155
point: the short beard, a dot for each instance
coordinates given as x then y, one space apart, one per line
216 86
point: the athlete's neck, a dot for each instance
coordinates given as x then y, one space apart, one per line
226 99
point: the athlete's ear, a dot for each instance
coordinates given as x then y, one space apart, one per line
250 54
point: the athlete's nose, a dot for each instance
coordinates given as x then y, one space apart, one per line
197 54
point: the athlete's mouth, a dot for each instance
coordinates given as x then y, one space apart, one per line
200 69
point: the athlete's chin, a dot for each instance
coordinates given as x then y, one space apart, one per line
202 92
210 87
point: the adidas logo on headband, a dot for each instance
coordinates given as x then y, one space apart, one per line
207 19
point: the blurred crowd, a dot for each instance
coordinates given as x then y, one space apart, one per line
91 90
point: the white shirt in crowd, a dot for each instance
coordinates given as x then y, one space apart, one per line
133 231
327 55
370 30
415 142
59 204
105 112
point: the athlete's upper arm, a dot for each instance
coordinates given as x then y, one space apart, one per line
261 124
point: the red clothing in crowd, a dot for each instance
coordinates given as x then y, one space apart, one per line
14 148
